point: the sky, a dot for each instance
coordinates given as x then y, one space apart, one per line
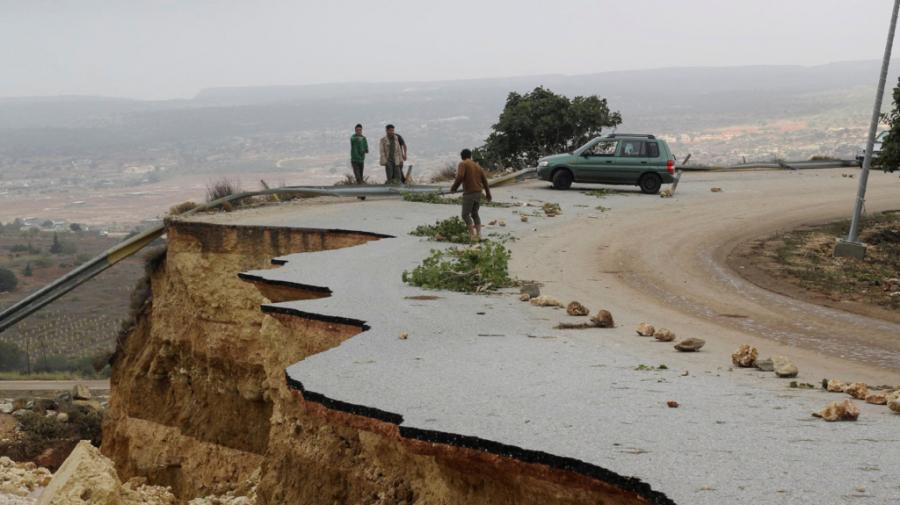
173 49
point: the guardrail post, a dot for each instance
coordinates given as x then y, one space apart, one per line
852 247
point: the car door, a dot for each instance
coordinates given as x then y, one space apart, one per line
597 162
632 161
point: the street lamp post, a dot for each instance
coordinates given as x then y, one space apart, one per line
852 247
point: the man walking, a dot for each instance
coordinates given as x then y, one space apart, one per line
393 154
473 180
359 147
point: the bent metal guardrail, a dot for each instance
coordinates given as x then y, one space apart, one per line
129 247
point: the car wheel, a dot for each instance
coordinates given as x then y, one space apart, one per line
650 183
562 179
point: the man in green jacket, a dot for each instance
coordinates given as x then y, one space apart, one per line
359 147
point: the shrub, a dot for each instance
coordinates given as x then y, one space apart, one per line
56 247
221 188
24 248
27 271
475 269
8 280
182 207
448 230
12 359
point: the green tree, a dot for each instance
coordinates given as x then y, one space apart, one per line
8 280
540 123
56 248
889 159
12 359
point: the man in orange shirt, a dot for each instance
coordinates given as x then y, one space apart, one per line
473 180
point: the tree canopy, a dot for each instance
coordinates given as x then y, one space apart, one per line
541 122
8 280
890 149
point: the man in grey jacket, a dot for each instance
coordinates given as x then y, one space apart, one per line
393 154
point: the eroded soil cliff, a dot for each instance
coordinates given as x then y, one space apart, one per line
200 400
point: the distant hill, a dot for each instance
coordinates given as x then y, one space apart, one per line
440 116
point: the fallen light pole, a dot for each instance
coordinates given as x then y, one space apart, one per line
852 247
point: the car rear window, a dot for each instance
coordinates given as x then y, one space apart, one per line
652 150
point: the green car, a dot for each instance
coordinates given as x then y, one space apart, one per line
619 158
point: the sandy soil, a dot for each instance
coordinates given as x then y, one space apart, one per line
664 261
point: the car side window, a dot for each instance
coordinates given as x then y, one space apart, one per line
604 148
652 149
632 148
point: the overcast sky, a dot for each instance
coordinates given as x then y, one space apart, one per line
172 49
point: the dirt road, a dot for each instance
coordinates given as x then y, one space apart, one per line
664 261
18 387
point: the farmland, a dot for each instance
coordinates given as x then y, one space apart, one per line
81 324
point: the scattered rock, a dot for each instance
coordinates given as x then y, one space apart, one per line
690 345
877 398
404 336
857 390
493 223
501 222
545 301
524 219
835 386
81 392
745 356
532 289
716 190
664 335
89 404
766 365
524 297
577 309
6 408
62 417
672 404
666 193
891 285
839 411
801 385
85 477
893 396
603 319
784 367
20 480
894 404
645 330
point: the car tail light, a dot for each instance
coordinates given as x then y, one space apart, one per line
670 166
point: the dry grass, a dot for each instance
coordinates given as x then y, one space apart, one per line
806 257
221 188
350 180
446 174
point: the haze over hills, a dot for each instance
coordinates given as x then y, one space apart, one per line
720 115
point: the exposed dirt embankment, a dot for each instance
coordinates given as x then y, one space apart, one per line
200 401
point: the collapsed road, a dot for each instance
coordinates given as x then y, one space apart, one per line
280 346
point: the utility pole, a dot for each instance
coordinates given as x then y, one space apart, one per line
852 247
